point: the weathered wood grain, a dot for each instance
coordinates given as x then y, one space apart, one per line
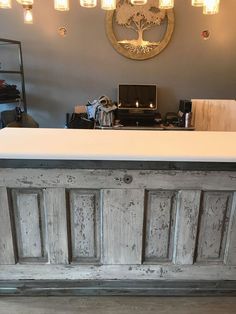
55 204
118 272
188 204
85 225
29 218
160 223
7 255
213 226
214 115
122 223
103 179
230 252
122 226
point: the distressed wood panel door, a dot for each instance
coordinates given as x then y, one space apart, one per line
123 211
29 221
159 226
213 227
85 222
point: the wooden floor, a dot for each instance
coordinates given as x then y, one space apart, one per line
117 305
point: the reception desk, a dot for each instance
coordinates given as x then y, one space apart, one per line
94 212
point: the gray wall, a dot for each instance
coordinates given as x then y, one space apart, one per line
61 72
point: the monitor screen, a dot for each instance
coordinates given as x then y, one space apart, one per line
137 96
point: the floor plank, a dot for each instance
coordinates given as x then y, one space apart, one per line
117 305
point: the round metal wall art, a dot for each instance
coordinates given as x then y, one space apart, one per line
139 19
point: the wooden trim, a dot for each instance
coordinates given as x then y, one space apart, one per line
114 287
117 164
165 272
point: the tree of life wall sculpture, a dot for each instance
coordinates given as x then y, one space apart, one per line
139 32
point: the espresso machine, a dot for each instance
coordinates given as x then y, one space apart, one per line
185 113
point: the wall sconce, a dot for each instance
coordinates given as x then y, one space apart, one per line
205 34
5 4
62 31
61 5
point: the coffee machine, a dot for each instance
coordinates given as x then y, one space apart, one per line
185 113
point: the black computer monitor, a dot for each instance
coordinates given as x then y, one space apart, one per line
143 97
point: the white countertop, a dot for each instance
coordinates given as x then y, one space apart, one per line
68 144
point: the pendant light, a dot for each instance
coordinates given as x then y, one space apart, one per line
211 7
28 15
166 4
138 2
61 5
197 3
108 4
26 2
5 4
88 3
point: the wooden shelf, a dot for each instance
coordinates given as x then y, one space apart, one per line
10 72
9 101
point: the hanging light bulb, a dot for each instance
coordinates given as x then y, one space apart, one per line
166 4
28 15
88 3
197 3
108 4
61 5
138 2
5 4
211 6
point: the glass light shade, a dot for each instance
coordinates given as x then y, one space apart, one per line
88 3
197 3
108 4
28 16
5 4
138 2
26 2
61 5
211 7
166 4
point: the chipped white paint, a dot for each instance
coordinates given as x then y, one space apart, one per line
160 224
57 236
188 205
7 255
103 179
133 272
29 219
230 253
71 198
85 225
213 226
122 226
